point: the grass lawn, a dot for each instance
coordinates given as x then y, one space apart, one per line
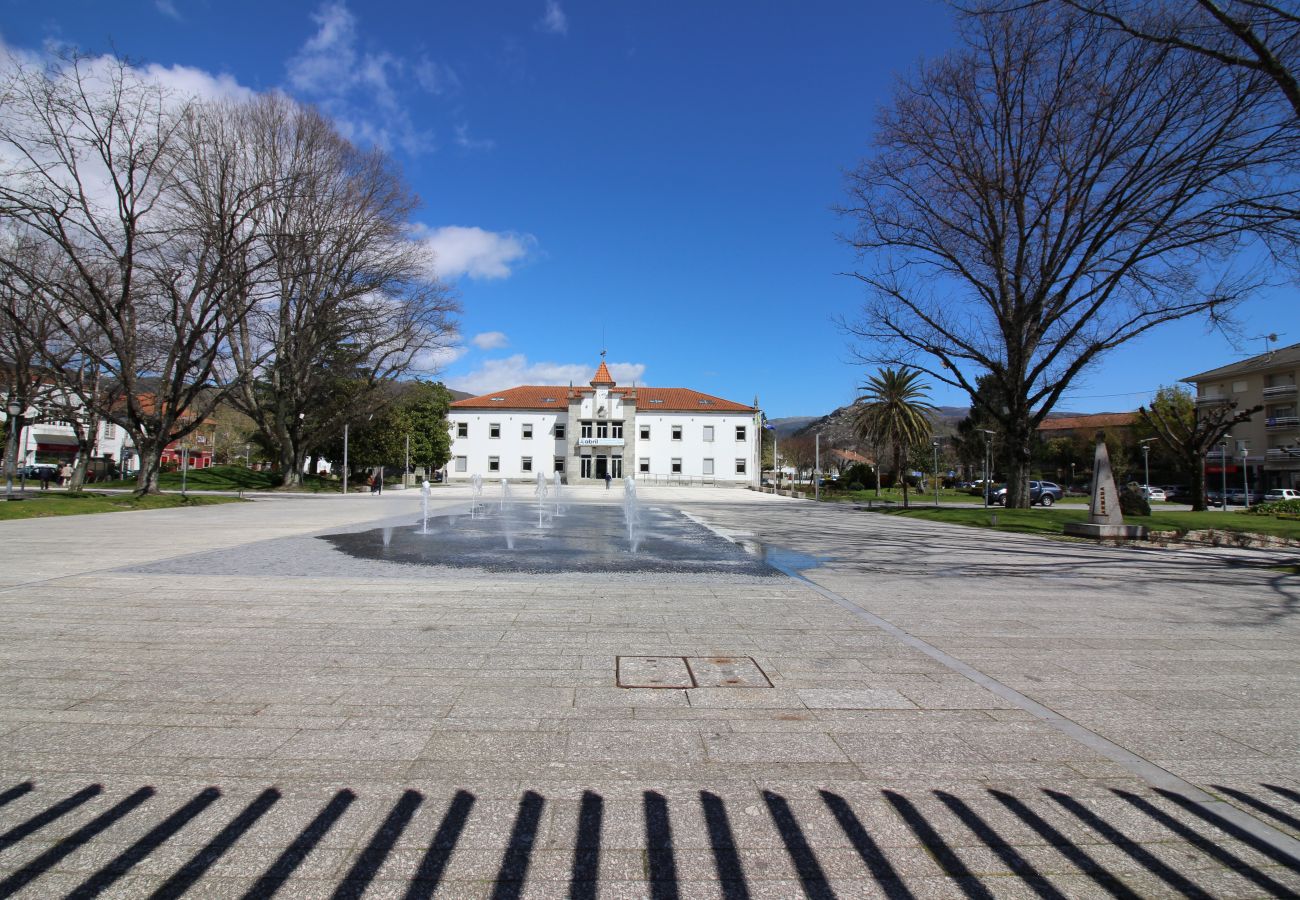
229 478
1052 521
42 505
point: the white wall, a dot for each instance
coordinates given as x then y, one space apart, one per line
510 447
693 449
661 449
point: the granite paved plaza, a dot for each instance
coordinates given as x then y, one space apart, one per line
265 699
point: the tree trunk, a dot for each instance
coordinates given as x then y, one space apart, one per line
1019 462
78 479
146 479
13 439
1199 503
290 468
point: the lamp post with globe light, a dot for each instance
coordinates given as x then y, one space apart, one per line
13 409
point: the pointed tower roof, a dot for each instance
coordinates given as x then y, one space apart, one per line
603 378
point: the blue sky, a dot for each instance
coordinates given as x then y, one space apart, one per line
653 179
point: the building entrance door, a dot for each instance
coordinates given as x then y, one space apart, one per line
602 466
616 467
586 467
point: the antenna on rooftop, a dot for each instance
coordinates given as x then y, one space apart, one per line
1270 338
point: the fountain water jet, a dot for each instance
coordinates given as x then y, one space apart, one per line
507 525
631 514
475 494
424 507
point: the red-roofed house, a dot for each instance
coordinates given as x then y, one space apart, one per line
1087 426
672 435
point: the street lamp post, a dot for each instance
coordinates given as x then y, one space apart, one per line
245 456
1245 476
1146 463
1223 470
345 457
13 409
935 445
406 468
1073 480
988 455
817 467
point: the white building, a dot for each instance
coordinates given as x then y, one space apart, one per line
44 439
666 435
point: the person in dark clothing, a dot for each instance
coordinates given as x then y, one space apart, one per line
46 475
608 478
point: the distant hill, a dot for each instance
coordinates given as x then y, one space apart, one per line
836 428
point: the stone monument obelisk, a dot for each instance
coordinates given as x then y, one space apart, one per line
1105 518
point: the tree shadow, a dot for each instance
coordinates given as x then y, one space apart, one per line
948 827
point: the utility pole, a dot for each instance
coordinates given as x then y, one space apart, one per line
935 444
345 457
817 466
406 469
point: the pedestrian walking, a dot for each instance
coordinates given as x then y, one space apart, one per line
46 475
65 474
608 479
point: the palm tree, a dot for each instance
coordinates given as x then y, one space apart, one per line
894 410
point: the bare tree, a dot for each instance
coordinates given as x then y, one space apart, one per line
1189 434
350 304
1254 36
1047 194
148 206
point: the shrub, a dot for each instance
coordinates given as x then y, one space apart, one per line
1133 501
856 486
859 472
1278 508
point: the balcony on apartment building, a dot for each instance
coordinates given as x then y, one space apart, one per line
1211 399
1285 458
1282 423
1277 391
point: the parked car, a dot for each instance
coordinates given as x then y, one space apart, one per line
1279 494
1040 492
1155 493
34 470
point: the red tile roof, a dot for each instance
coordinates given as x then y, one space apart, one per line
1100 420
529 396
647 399
679 399
602 375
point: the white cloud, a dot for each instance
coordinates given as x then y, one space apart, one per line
490 340
436 77
554 21
167 8
435 360
497 374
465 142
359 88
473 252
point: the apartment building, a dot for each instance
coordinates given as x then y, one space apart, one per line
1267 447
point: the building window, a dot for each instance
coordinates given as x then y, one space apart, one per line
559 464
1240 387
645 432
740 467
602 429
462 429
708 467
586 429
708 434
527 430
677 467
494 430
462 464
643 464
616 430
526 464
677 432
740 432
494 464
559 431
